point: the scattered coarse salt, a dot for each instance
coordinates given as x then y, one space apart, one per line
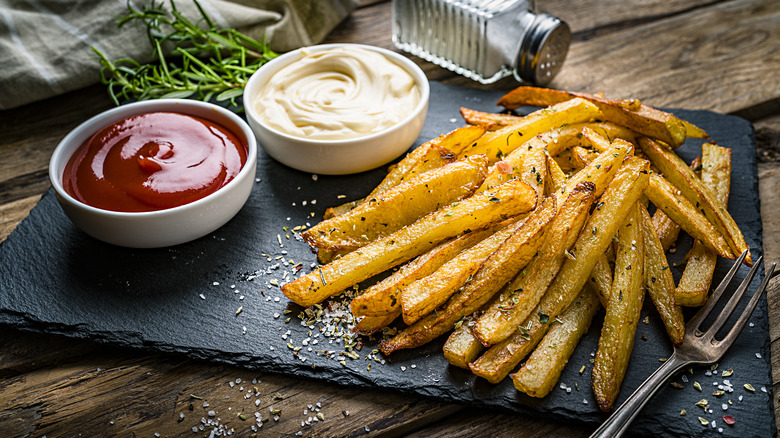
202 297
758 355
314 177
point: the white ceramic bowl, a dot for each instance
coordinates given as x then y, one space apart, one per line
336 157
160 228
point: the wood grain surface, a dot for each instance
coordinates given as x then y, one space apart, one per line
716 55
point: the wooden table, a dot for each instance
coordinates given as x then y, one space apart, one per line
722 56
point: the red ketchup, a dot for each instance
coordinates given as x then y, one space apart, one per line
152 162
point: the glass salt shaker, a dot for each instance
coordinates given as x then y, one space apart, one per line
484 40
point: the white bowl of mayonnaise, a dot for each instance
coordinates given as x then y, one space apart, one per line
337 108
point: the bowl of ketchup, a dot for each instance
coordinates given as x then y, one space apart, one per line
155 173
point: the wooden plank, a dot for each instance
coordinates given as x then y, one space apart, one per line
124 393
719 58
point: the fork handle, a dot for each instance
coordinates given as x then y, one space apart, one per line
618 422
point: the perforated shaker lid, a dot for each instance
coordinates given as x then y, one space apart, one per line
543 50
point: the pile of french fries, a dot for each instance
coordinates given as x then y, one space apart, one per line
511 232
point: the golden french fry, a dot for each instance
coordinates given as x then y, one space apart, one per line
368 325
622 314
462 346
430 155
679 174
664 195
490 121
399 206
427 293
555 177
626 188
610 131
525 291
665 228
499 143
659 281
498 269
381 299
601 170
479 211
601 279
697 277
581 156
693 131
629 113
541 372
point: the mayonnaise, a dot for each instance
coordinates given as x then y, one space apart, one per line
336 94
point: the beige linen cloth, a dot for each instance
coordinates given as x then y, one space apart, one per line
45 45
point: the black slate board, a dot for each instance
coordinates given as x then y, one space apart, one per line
56 279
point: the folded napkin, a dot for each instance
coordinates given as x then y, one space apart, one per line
45 45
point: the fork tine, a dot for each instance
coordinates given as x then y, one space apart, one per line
728 309
729 339
695 323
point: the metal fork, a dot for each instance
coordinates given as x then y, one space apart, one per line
697 348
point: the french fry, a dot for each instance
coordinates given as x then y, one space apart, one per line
610 131
622 314
539 375
601 170
509 199
499 143
381 299
555 177
462 347
498 269
399 206
665 228
696 279
368 325
624 190
601 279
427 293
664 195
631 113
525 291
490 121
679 174
432 154
659 281
581 156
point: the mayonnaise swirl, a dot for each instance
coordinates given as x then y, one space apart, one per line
337 94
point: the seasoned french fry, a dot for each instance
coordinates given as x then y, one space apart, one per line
427 156
665 228
601 279
368 325
427 293
679 174
490 121
399 206
499 143
697 277
626 188
525 291
479 211
610 131
582 156
622 314
462 347
659 281
381 299
555 177
498 269
539 375
632 113
601 170
664 195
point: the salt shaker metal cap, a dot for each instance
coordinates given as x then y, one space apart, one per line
543 50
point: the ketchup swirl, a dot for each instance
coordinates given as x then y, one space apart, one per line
153 161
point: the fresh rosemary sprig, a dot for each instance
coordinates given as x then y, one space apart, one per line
206 62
